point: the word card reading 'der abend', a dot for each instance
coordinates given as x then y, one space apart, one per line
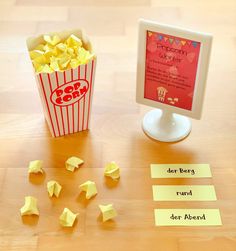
187 217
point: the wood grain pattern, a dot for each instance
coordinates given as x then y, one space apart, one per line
115 131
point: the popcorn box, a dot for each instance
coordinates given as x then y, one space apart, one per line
67 95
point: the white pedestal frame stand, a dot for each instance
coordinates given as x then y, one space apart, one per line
166 126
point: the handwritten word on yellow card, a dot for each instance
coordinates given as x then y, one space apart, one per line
187 217
176 193
180 171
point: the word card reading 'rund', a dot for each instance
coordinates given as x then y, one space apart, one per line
180 171
184 193
187 217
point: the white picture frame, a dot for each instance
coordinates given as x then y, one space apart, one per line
201 73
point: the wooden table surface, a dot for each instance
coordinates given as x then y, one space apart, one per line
115 131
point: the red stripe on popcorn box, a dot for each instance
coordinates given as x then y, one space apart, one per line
67 98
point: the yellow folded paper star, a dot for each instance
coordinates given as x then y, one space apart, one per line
108 212
67 218
54 188
90 188
112 170
35 166
73 162
30 206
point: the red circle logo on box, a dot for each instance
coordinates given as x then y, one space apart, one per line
70 93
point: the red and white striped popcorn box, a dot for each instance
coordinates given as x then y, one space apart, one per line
67 95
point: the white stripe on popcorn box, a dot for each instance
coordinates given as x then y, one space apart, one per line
67 98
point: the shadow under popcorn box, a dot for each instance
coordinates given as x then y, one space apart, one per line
67 95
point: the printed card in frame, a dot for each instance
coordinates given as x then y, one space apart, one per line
172 68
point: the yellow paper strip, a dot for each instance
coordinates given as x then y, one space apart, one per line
176 193
180 171
187 217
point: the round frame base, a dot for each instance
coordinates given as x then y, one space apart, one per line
166 126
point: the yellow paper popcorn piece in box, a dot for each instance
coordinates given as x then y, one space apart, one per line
74 63
112 170
40 47
72 41
57 55
108 212
71 52
54 188
30 206
48 47
46 69
43 68
40 59
90 188
35 166
54 64
37 66
62 47
35 53
64 60
73 162
48 54
84 56
67 218
52 40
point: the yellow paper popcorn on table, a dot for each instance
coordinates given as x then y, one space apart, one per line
73 162
30 206
90 188
67 218
35 166
58 55
112 170
108 212
54 188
